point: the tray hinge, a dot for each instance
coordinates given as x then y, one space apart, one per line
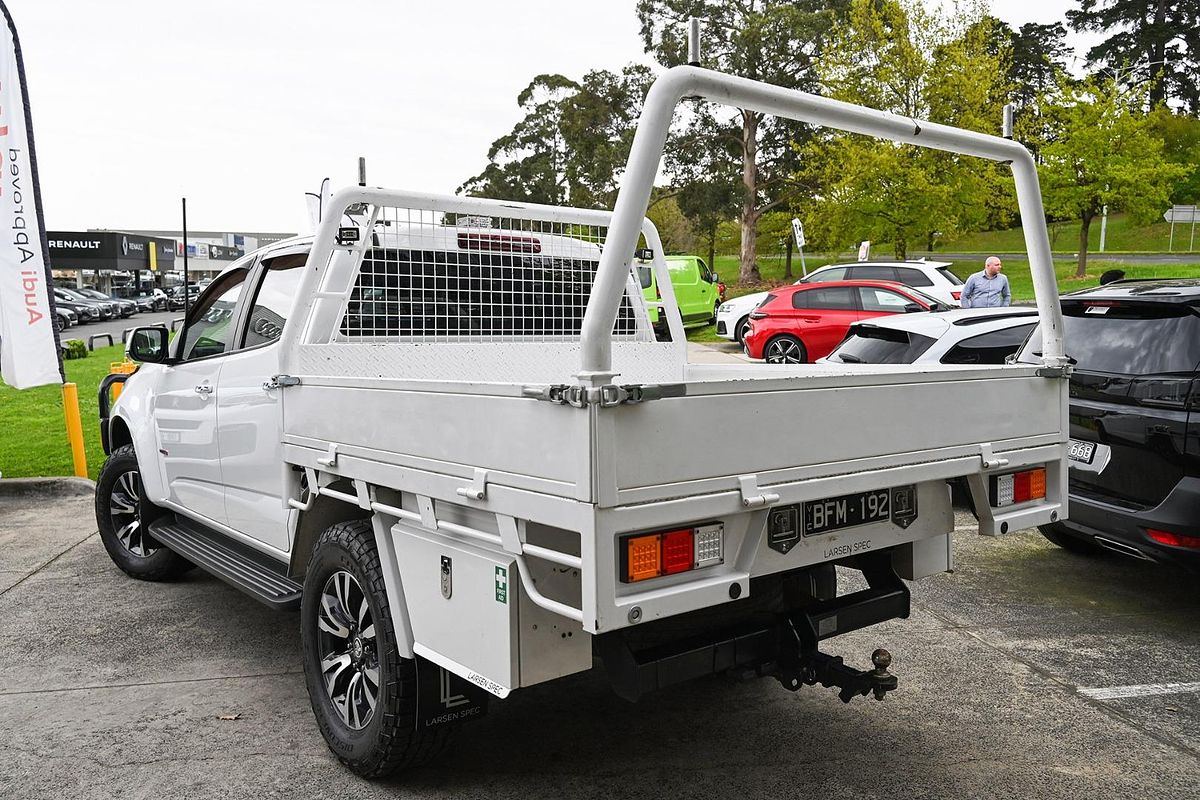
751 496
991 460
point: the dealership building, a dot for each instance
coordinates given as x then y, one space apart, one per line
109 259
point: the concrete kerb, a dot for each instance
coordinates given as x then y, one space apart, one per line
46 487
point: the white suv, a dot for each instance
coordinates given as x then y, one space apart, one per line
934 278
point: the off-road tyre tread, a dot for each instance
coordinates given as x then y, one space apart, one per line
164 565
400 745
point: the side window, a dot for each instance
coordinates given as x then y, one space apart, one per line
834 274
872 273
210 328
882 300
274 300
835 297
800 299
988 348
912 277
705 272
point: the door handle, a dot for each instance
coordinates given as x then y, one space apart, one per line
204 389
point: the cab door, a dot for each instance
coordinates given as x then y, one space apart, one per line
685 279
185 409
249 412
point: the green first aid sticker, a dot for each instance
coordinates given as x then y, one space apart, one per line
501 585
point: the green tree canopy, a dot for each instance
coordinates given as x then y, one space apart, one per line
1105 153
775 41
904 57
1153 41
572 143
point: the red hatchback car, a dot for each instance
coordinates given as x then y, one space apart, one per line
803 322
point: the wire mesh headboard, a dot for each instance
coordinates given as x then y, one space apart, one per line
465 289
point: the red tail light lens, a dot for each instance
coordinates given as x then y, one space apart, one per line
956 295
499 241
1173 539
676 551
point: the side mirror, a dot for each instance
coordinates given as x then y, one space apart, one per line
148 345
716 278
644 254
912 308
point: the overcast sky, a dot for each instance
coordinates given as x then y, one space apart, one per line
244 106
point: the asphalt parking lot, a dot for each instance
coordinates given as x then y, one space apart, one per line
1027 672
115 327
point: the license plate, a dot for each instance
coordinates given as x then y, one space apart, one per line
786 525
846 511
1081 451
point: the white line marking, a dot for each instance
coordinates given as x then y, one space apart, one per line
1140 690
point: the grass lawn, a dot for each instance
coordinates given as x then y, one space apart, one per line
35 433
1123 236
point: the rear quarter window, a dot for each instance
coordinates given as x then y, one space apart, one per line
870 345
988 348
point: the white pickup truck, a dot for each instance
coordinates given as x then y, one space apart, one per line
444 429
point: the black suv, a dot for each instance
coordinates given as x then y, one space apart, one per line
1135 420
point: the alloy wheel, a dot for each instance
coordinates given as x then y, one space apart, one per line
125 510
349 651
784 351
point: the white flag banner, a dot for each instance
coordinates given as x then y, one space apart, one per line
28 339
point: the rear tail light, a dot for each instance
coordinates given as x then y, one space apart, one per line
499 241
956 295
1173 539
759 315
652 555
1017 487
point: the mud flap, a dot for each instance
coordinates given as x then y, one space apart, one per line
443 697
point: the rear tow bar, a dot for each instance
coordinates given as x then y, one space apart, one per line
802 663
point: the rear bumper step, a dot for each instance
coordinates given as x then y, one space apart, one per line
786 648
256 574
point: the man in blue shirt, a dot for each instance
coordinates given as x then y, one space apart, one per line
987 289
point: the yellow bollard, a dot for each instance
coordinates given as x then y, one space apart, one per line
120 368
74 428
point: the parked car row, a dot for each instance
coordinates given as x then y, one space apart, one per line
933 278
77 306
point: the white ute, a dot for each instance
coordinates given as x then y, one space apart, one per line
444 429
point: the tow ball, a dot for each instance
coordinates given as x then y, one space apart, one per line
816 667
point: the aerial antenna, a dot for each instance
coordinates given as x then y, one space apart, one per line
362 171
1007 127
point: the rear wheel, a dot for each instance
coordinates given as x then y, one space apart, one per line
785 350
362 691
1069 541
713 320
123 515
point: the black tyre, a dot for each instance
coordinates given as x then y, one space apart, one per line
740 330
1068 541
363 692
122 515
785 349
713 320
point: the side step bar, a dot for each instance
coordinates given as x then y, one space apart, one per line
256 574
